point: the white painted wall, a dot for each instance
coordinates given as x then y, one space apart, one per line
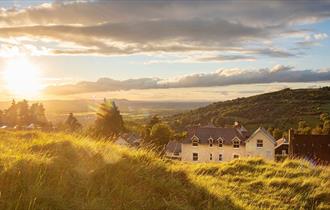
266 152
204 151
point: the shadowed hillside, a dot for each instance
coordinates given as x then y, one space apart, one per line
59 171
282 109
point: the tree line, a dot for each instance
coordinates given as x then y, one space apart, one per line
21 114
322 128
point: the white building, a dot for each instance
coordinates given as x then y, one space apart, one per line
214 144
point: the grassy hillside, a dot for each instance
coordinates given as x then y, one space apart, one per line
59 171
282 109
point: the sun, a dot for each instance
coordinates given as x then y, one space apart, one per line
22 78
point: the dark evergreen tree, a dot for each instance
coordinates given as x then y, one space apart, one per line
34 113
41 118
23 113
10 115
109 121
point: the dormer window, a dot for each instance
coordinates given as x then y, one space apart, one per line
236 143
220 142
194 141
211 142
260 143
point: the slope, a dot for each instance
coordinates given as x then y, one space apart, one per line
60 171
282 109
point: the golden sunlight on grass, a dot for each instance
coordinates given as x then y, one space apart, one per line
22 78
60 171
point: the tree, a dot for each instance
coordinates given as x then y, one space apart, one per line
71 124
109 121
23 113
302 124
303 128
147 128
160 134
1 117
277 133
326 127
41 118
10 115
154 120
324 117
317 130
34 109
270 129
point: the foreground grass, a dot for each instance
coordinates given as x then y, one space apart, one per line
59 171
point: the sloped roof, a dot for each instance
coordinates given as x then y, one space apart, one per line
261 129
205 133
173 147
132 139
282 141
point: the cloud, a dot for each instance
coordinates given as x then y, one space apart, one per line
280 68
313 39
128 38
278 73
222 58
96 12
130 27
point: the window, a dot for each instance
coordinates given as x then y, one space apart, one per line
260 143
211 142
211 156
220 142
220 157
236 143
195 156
235 156
176 153
195 141
284 152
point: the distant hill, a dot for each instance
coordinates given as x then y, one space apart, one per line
282 109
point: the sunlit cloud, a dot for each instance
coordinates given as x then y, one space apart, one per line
100 28
221 77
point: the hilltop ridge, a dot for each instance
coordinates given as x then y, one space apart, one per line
282 109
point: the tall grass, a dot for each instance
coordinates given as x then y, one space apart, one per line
60 171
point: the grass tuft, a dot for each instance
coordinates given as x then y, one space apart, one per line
60 171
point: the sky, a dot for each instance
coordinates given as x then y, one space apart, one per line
162 50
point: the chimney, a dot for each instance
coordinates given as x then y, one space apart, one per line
237 125
290 134
290 139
